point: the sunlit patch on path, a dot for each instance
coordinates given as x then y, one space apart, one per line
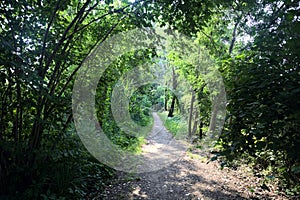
186 177
161 148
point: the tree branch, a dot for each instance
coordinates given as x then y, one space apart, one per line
46 35
62 39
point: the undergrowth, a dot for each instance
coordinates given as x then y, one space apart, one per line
176 125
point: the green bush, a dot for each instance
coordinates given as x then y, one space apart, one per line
61 171
175 125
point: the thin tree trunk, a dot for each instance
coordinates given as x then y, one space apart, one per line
191 115
196 122
171 111
201 130
174 80
234 34
166 99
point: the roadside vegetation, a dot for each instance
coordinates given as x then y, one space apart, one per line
254 44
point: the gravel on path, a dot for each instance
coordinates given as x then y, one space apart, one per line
187 176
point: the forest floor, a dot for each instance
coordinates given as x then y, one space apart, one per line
190 176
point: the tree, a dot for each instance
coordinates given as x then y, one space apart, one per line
42 47
174 86
262 87
190 131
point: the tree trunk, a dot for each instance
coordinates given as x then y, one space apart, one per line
166 99
196 122
200 130
191 115
174 80
234 34
171 111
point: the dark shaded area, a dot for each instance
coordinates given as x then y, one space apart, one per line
169 184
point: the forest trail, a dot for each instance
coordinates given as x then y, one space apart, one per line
161 148
190 176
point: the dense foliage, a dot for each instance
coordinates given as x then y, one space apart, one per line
264 93
255 45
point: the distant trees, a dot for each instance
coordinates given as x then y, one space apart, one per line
255 45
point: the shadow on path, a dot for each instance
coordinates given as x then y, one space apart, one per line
178 176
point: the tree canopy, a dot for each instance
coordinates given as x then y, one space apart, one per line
254 44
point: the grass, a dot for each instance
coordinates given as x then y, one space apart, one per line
175 125
136 147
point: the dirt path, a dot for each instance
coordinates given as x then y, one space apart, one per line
161 148
189 177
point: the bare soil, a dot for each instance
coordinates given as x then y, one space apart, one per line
191 176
